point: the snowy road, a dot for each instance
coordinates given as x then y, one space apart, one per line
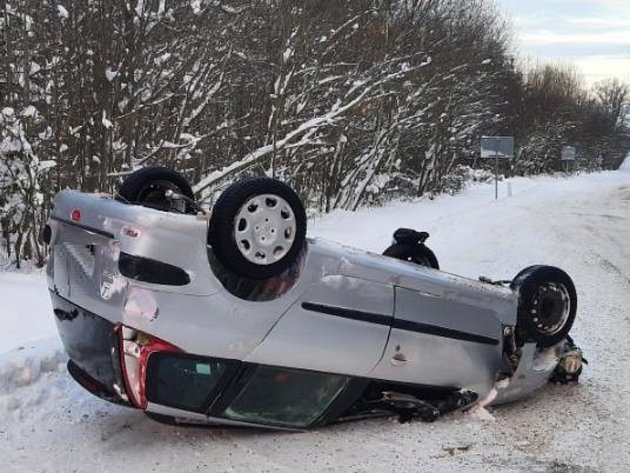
582 224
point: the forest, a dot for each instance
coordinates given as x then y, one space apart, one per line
352 102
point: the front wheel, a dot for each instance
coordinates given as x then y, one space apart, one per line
258 227
547 305
414 253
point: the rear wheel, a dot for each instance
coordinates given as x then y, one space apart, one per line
547 305
151 187
258 227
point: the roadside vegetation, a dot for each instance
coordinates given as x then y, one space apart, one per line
353 102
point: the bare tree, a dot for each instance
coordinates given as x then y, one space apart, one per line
353 102
614 95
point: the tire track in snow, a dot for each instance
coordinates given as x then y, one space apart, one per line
593 424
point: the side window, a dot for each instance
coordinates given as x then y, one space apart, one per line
185 381
285 397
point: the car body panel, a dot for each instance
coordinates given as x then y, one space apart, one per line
176 239
419 307
428 281
441 362
449 342
533 372
334 343
347 312
84 269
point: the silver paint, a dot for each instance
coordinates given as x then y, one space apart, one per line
204 318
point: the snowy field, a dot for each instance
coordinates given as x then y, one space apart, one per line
582 224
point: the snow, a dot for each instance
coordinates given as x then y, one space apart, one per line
63 13
286 55
110 74
25 310
48 423
48 164
625 166
105 121
229 9
29 111
35 68
139 8
195 5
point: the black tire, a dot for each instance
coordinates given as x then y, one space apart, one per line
147 187
415 253
547 305
223 228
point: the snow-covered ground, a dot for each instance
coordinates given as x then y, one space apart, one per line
582 224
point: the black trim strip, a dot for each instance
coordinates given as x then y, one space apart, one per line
151 271
400 324
83 227
348 313
418 327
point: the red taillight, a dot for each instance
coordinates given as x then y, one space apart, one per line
75 215
135 349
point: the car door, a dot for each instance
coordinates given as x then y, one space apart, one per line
440 339
339 325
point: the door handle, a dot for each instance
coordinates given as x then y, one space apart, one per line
399 360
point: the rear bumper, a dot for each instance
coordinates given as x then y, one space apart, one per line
92 344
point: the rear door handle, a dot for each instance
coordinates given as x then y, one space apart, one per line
399 360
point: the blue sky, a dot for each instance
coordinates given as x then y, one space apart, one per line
592 34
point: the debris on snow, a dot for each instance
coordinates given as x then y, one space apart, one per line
453 450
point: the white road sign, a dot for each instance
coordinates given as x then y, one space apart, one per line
568 153
497 147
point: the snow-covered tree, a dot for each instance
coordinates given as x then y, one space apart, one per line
353 102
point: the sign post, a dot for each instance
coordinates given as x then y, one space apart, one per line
497 147
567 154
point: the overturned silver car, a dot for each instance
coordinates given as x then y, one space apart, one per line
236 317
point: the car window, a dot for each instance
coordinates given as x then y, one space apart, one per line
184 381
285 397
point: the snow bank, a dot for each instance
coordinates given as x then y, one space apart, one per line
25 310
23 367
625 166
30 349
